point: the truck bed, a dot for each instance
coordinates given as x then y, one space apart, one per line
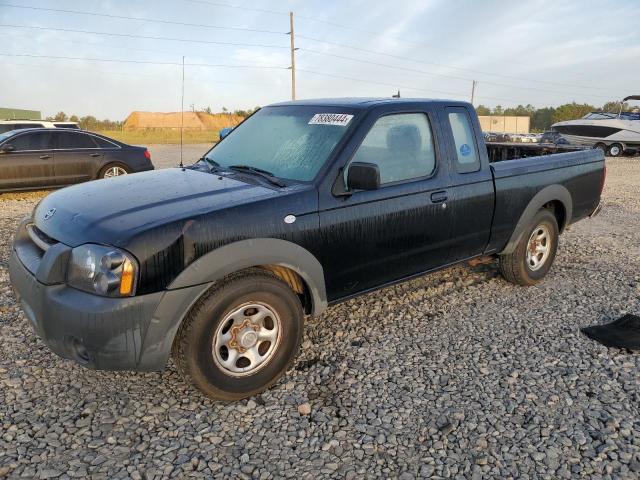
518 181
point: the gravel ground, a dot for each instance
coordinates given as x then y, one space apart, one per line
457 374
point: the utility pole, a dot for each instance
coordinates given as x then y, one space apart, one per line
473 90
293 58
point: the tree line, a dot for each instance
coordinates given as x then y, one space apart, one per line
543 118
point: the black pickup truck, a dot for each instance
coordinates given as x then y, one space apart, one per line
303 205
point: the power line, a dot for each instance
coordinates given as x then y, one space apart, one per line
145 37
127 47
399 57
396 85
238 7
143 62
140 19
378 35
468 79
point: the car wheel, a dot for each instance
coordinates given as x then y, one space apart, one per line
113 170
615 150
531 260
241 336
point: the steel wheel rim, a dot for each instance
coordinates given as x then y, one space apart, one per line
615 150
114 172
538 247
247 338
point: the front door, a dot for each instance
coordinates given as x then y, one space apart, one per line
374 237
29 164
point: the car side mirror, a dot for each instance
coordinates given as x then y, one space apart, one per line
363 176
8 148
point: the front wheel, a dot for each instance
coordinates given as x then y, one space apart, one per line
241 337
531 260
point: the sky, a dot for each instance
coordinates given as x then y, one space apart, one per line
237 52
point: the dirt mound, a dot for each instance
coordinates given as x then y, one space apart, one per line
173 120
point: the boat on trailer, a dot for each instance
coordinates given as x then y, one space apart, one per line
615 133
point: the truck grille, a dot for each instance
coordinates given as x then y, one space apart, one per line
39 238
31 244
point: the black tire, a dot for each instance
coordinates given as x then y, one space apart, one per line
194 351
615 150
516 268
601 146
105 169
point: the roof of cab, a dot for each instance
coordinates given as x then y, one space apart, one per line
361 102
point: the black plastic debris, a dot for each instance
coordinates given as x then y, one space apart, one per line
621 333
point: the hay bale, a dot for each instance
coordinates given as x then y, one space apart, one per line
173 121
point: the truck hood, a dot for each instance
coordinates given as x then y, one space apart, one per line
114 210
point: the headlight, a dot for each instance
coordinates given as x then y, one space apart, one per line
106 271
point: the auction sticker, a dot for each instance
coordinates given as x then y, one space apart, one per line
339 119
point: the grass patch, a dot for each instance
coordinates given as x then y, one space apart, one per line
162 136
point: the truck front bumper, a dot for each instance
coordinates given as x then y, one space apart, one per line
96 332
133 333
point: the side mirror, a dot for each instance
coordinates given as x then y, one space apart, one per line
7 148
363 176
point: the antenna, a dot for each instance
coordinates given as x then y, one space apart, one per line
182 112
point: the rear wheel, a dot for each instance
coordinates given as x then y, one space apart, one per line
615 150
113 170
241 337
531 260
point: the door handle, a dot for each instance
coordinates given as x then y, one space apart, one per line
44 157
95 155
438 197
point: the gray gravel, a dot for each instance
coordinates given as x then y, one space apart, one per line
457 374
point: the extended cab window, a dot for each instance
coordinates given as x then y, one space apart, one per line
32 141
467 159
401 145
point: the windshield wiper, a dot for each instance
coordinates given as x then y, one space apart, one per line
212 163
258 171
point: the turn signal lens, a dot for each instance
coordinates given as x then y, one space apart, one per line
126 279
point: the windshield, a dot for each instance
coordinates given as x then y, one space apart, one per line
10 133
290 142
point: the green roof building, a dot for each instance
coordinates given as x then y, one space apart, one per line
19 114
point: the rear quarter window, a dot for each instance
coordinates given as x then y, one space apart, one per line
466 154
102 143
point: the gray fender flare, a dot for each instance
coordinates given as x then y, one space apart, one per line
544 196
198 277
236 256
